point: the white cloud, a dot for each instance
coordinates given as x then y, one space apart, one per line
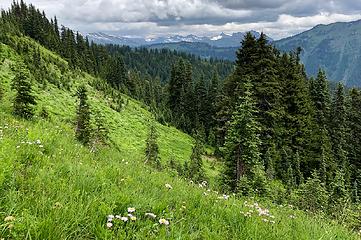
277 18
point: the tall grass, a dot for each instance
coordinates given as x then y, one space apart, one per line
51 187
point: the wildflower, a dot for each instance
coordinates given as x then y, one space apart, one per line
131 210
109 225
133 218
205 194
38 141
265 220
292 216
17 146
118 217
168 186
151 215
41 146
110 218
9 219
163 221
225 197
273 222
126 163
124 219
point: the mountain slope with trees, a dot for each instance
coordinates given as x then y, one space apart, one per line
54 186
333 47
266 137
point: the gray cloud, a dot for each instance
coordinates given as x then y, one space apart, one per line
278 18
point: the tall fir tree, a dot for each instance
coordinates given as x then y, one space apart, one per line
152 148
83 124
195 167
242 142
24 100
116 74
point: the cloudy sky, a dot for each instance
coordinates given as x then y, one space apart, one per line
277 18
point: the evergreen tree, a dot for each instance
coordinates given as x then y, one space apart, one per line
195 168
116 74
152 149
83 126
338 131
298 173
242 142
353 134
24 100
1 89
101 132
322 143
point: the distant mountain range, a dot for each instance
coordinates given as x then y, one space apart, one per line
222 40
335 47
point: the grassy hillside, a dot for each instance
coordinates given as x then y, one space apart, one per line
51 187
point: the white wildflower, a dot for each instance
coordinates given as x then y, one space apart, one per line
131 210
110 218
163 221
109 225
167 185
124 219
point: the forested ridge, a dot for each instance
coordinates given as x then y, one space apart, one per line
277 133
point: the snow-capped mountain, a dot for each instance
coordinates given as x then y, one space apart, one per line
221 40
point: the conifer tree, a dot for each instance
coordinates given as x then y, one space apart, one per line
1 90
338 127
271 159
83 126
24 100
116 73
242 142
152 148
353 134
322 144
101 132
195 168
298 173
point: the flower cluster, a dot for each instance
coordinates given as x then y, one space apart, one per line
255 208
36 142
113 219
